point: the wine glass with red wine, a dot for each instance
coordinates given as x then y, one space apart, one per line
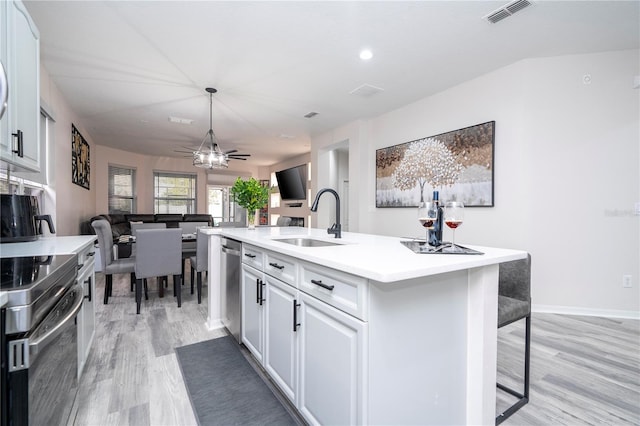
427 215
453 217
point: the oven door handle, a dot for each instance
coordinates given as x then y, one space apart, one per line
56 321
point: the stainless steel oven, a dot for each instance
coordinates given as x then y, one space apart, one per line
40 338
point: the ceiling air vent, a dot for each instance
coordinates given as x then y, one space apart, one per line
180 120
311 114
507 10
366 90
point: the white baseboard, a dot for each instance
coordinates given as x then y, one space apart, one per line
214 324
575 310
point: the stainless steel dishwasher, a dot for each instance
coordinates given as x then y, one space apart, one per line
231 272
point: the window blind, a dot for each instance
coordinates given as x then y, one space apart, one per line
121 190
174 193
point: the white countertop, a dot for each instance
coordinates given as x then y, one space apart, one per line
47 246
375 257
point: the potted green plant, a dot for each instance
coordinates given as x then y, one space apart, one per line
251 195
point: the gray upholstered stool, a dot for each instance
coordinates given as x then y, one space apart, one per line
514 303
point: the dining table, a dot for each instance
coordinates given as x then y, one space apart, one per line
188 249
130 239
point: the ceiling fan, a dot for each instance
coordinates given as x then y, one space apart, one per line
209 155
230 154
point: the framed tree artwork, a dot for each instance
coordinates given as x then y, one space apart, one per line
458 164
80 159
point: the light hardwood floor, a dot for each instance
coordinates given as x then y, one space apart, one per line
584 370
132 376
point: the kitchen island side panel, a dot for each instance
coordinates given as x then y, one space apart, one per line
418 351
482 344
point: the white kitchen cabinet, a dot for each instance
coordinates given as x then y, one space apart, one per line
332 360
20 54
282 267
252 295
313 347
252 256
346 292
281 329
86 317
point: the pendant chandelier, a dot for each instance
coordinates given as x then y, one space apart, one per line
209 155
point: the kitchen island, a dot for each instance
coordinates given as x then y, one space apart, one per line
367 331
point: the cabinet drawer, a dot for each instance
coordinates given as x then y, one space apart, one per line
282 267
252 256
86 259
343 291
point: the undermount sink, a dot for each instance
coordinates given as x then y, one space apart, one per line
307 242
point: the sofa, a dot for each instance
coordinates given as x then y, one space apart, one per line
121 223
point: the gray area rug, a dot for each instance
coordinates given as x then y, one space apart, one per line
225 389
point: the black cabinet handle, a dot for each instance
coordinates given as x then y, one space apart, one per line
323 285
275 265
262 284
89 295
249 255
296 324
80 266
91 253
18 151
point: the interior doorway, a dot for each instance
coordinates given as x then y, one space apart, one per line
333 172
220 204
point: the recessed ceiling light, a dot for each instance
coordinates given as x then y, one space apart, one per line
366 54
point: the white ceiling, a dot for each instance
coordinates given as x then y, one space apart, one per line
126 66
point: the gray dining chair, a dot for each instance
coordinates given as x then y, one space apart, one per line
514 304
158 254
146 225
191 227
283 221
231 225
200 262
189 247
110 265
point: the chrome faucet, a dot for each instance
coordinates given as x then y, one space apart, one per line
336 228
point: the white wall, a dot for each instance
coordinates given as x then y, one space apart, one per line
285 210
325 172
74 204
567 176
145 166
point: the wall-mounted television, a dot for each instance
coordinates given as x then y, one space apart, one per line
292 183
